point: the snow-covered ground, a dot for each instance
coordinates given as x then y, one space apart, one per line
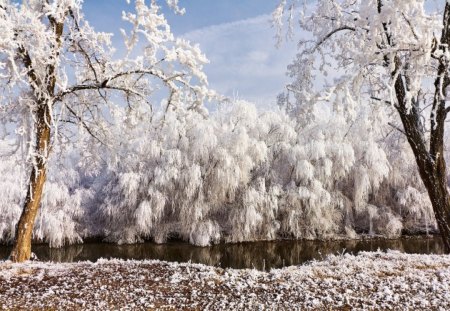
368 281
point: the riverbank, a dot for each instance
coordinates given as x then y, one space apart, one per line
374 280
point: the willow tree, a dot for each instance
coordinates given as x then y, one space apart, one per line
392 52
59 76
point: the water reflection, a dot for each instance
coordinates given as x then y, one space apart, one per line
259 255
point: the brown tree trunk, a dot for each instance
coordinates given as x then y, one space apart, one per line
24 229
44 90
436 184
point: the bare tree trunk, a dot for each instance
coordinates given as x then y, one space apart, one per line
436 184
24 229
441 207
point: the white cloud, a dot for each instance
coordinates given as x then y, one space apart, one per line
244 59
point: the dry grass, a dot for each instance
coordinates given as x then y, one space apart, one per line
370 282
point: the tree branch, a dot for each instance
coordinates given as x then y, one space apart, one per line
80 119
329 35
397 128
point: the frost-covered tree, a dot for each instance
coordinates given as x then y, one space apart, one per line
59 78
234 175
244 175
385 52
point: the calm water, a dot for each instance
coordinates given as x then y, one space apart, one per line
259 255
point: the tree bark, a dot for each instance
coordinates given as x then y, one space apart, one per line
44 90
436 185
24 229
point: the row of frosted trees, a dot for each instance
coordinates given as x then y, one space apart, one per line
234 175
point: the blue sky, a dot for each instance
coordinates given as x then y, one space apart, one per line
236 35
199 13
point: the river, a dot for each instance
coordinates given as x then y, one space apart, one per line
259 255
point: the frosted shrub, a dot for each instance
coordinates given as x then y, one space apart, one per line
387 224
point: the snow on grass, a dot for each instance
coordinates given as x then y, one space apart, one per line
374 280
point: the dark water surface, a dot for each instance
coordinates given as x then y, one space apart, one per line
259 255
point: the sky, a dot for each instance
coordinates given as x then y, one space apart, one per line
236 36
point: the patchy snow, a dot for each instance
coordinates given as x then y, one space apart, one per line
370 280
